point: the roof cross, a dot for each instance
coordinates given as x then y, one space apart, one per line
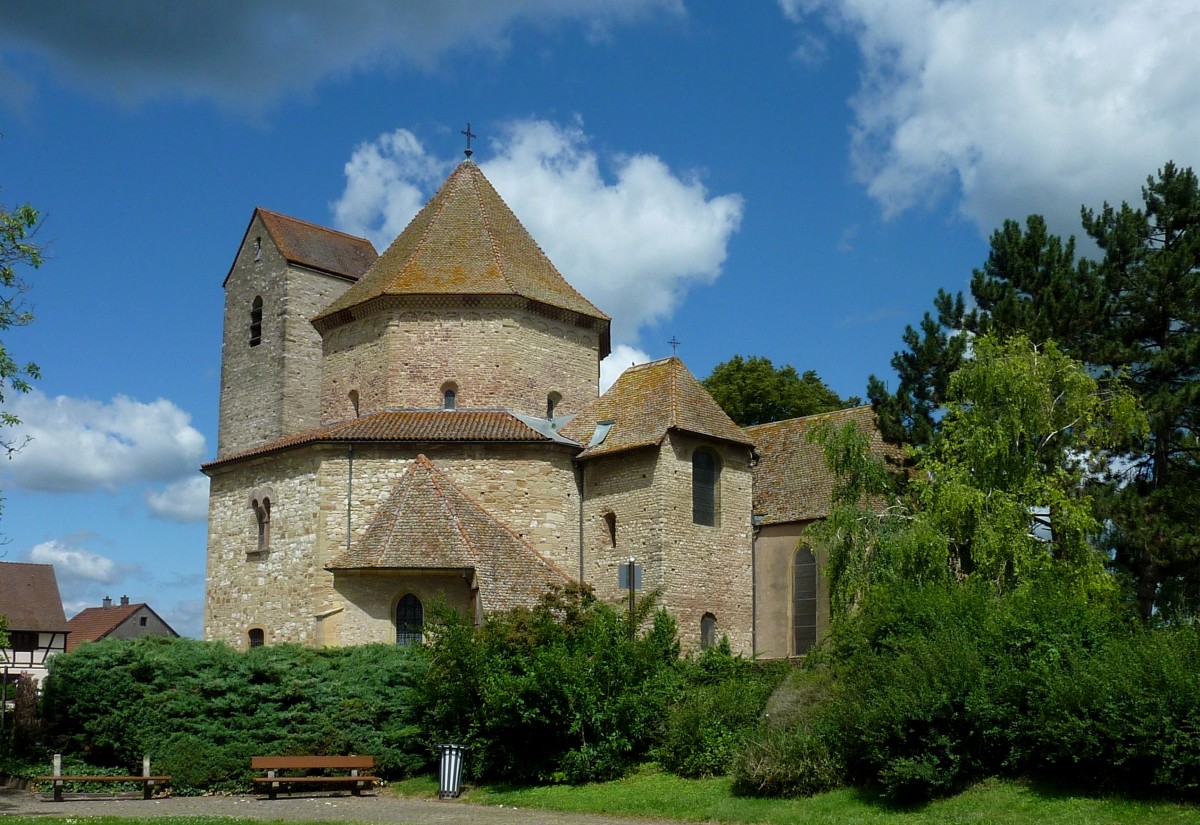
674 345
469 135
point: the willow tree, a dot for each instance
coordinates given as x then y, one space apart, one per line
1001 492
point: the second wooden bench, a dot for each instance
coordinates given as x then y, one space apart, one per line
275 781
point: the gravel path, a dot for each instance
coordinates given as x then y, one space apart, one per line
369 809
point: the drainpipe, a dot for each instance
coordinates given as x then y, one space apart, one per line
579 464
349 489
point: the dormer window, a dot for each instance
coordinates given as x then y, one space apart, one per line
256 321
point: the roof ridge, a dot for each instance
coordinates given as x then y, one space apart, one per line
491 233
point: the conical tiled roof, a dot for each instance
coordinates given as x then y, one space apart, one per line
428 522
647 401
465 241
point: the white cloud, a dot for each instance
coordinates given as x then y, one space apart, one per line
249 53
633 244
182 501
1016 106
77 444
75 565
620 359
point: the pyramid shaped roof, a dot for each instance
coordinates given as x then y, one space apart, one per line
428 522
465 241
646 402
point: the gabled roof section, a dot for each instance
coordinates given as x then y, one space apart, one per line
646 402
29 597
413 426
466 241
315 247
428 522
94 623
792 480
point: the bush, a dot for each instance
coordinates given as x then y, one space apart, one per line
788 761
201 709
562 692
719 706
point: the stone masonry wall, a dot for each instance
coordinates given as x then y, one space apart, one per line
270 390
275 590
496 357
698 569
287 591
708 569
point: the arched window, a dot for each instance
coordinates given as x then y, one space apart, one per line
552 402
410 621
708 631
256 321
610 521
260 503
449 396
262 514
706 474
256 637
804 601
354 402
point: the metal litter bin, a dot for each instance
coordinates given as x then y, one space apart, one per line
450 774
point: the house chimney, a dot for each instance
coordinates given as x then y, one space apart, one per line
107 602
124 601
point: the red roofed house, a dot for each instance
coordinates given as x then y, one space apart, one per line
37 625
426 424
115 621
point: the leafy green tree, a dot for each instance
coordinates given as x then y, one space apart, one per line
17 228
1023 425
1135 312
753 391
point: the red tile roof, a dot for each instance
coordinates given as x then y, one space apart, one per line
466 241
94 623
428 522
318 247
29 597
792 481
647 401
411 426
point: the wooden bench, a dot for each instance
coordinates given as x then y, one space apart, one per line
148 782
274 781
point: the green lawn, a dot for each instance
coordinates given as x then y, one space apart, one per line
651 793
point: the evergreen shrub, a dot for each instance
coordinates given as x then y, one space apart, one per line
202 709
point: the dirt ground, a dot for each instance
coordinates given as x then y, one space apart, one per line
380 808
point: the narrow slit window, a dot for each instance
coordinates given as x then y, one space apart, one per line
610 521
708 631
256 313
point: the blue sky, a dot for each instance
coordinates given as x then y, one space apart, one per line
787 178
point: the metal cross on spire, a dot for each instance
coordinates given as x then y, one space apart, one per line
469 135
674 345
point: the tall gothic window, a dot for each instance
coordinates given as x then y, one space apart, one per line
410 621
804 601
705 475
256 321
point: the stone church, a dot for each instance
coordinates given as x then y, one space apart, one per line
425 425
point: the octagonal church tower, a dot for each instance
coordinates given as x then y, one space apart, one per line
389 429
